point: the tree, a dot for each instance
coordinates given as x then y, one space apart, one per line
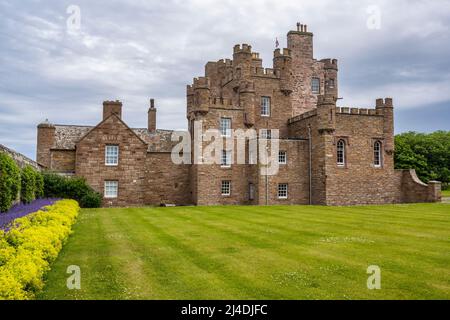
428 154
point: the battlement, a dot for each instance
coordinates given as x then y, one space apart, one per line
266 72
255 56
221 102
357 111
225 63
330 63
285 53
189 90
201 83
384 103
244 48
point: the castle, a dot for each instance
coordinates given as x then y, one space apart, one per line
328 155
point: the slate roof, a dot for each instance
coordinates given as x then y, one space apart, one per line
66 137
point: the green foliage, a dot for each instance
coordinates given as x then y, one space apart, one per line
76 188
429 154
9 182
28 189
39 185
91 200
27 250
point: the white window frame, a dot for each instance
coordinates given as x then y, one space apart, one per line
225 127
111 190
315 84
283 189
226 188
265 106
225 161
111 155
282 157
377 155
266 134
340 148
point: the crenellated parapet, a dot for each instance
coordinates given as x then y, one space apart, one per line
199 95
282 63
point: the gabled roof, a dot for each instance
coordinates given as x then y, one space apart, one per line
67 136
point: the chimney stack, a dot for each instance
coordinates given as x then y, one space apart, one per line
152 117
112 107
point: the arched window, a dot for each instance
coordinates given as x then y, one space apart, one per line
340 153
377 161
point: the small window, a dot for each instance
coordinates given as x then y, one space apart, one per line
226 158
340 153
226 188
266 134
251 191
282 157
315 85
282 191
111 189
225 127
265 106
112 155
331 83
377 161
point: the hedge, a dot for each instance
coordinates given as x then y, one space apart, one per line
9 182
29 247
28 181
56 186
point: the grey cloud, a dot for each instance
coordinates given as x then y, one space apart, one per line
134 50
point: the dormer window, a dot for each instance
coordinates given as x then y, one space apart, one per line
112 155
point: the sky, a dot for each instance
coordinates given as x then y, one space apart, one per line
59 60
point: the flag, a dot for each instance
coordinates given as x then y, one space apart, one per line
277 44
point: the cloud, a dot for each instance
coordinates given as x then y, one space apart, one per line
133 50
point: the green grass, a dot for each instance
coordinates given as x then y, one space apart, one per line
297 252
446 193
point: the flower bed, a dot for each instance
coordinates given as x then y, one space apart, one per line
29 247
20 210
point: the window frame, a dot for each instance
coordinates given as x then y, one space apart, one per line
344 153
266 107
279 190
109 156
380 155
225 132
108 195
313 85
226 159
267 135
224 187
285 157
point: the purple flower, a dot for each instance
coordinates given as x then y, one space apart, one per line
20 210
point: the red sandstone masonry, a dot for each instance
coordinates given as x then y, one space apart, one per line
233 89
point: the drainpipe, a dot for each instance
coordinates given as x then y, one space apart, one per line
310 164
267 177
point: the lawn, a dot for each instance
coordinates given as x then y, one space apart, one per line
446 193
297 252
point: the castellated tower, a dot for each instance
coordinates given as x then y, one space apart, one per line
310 78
